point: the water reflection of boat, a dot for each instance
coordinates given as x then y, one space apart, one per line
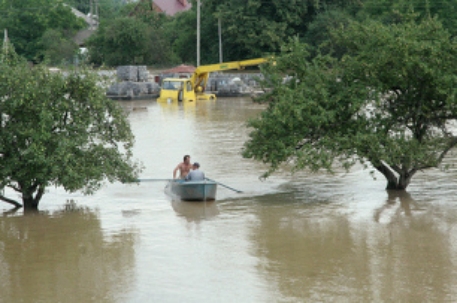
195 211
192 190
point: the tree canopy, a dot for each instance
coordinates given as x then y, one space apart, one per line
122 41
60 130
138 37
43 29
389 101
28 20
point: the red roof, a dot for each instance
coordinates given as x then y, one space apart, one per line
189 69
171 7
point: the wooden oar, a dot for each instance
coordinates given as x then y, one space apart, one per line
231 188
152 180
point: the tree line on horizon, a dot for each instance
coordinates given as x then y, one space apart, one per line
132 33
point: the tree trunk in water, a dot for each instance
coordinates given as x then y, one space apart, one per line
393 182
30 203
390 176
404 180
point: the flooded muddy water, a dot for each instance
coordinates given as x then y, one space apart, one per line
300 238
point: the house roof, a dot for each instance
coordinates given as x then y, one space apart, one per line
171 7
82 36
90 20
92 24
186 69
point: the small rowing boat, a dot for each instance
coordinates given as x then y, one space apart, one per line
192 190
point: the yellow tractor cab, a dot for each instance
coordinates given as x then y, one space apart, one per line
182 90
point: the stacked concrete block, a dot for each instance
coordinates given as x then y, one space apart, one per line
143 74
132 83
233 84
150 87
126 88
127 73
114 89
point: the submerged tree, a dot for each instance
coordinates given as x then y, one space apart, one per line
59 130
389 101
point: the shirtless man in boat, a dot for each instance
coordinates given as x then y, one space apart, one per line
183 167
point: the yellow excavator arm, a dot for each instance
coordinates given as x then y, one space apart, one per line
189 90
201 73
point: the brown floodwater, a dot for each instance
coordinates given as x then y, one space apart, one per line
291 238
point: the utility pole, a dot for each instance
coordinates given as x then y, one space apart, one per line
5 45
220 40
5 38
198 33
93 14
96 9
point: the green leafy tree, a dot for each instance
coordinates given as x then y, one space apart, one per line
59 130
390 11
56 48
182 30
122 41
81 5
159 50
28 20
128 40
319 29
388 102
110 9
253 28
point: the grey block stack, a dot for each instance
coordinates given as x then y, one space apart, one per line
143 74
127 73
233 84
133 83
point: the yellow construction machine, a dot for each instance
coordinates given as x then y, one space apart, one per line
192 89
